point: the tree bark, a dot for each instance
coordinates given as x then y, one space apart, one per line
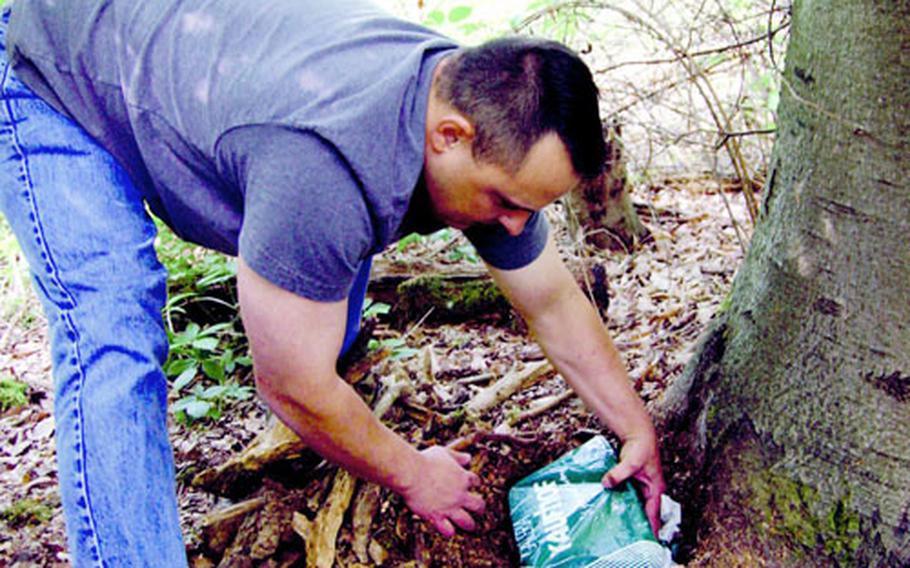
790 431
601 209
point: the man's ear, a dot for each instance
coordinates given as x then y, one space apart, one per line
450 130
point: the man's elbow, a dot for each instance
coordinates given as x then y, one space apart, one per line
280 387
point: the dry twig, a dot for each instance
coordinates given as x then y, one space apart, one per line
505 387
536 408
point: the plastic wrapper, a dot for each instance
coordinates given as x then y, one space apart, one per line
563 517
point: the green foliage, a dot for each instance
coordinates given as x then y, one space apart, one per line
438 16
562 22
442 240
725 304
27 512
435 19
471 21
191 269
199 355
843 530
372 309
196 349
463 252
458 20
397 345
12 393
203 355
459 13
209 402
457 253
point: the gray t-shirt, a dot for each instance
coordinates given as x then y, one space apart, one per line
288 131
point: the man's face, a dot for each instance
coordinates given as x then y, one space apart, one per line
465 192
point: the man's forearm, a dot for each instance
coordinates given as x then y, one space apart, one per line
294 342
570 332
573 337
335 422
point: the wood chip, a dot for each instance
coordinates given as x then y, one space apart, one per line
378 554
365 508
394 386
430 366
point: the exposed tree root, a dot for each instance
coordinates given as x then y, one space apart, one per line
321 533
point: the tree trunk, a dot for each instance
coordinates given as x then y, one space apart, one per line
790 431
601 208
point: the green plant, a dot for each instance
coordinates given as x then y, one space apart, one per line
190 268
196 348
199 349
397 345
457 252
12 393
372 309
456 21
562 21
471 21
463 252
408 240
196 277
202 356
209 402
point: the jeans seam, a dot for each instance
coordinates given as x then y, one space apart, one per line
66 312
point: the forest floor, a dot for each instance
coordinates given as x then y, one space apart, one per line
661 298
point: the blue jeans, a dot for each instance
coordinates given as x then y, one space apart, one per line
84 229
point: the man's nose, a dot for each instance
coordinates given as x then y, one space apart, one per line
514 221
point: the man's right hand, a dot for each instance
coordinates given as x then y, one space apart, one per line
441 493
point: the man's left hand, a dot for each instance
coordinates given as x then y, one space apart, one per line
639 460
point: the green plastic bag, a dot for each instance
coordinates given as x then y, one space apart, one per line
563 516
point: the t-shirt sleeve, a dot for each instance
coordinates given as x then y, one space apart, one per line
500 249
306 227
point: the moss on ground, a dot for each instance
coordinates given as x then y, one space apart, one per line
27 512
450 300
12 393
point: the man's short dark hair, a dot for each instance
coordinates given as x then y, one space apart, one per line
515 90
